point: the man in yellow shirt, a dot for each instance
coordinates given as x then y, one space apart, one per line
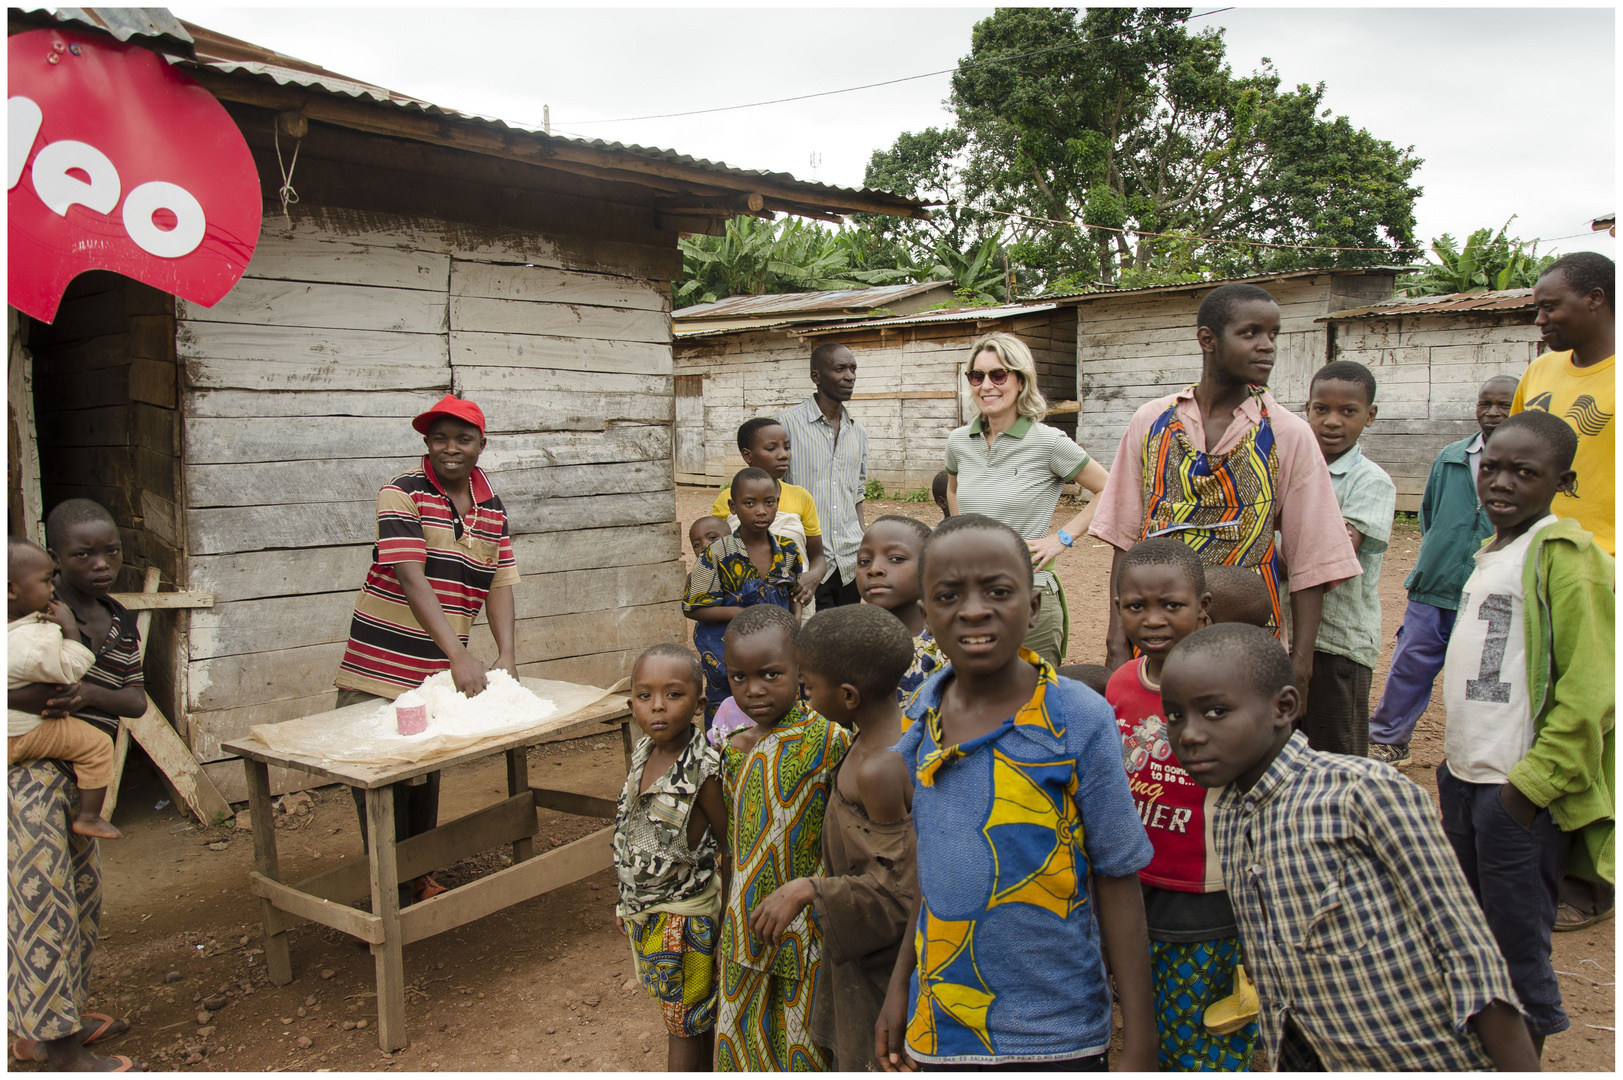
1574 381
764 444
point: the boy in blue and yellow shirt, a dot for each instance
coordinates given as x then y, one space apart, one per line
1020 804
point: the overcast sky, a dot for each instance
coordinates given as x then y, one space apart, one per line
1513 109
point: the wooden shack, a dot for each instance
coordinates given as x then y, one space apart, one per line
1133 345
241 447
1430 355
908 394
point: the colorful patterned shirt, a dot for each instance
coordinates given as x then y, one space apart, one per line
725 576
651 855
1356 918
926 659
464 559
777 791
1010 827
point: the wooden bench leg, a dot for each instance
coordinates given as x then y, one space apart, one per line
121 754
278 962
628 741
518 782
387 955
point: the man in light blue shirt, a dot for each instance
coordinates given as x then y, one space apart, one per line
829 457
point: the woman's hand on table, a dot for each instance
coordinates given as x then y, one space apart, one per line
1047 548
468 673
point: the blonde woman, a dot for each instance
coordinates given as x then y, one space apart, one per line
1010 468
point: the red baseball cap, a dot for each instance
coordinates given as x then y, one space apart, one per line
454 407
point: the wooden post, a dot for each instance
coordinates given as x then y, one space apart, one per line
518 783
627 740
278 962
387 956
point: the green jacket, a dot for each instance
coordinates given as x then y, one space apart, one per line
1568 592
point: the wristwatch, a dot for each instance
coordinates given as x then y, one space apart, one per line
1066 538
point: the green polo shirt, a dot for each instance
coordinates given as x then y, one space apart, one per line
1017 479
1350 623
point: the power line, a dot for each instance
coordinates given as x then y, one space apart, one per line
886 82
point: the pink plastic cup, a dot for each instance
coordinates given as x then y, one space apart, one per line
411 719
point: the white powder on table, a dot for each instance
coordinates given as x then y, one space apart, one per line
505 703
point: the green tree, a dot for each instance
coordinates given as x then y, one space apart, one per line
1488 261
755 257
1126 120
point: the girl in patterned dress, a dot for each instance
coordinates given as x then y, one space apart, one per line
667 853
776 775
751 566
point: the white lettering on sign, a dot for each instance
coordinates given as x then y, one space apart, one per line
58 189
23 119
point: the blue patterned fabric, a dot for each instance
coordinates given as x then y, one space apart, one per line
1189 976
1010 825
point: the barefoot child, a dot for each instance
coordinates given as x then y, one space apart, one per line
1194 941
888 577
1028 843
671 874
1528 777
1368 950
850 660
704 532
752 566
42 646
776 775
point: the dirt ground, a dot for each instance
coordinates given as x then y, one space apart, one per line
545 985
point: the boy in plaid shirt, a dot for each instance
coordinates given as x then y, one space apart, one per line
1368 950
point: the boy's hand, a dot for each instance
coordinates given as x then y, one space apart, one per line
809 581
801 592
62 704
1517 805
468 673
890 1034
62 615
776 912
619 924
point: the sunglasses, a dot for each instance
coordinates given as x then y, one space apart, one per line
999 376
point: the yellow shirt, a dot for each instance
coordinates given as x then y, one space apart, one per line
792 499
1586 399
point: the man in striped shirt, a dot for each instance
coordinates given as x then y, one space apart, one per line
443 552
830 459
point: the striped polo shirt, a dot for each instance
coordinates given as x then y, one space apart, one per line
834 468
463 558
1017 479
118 662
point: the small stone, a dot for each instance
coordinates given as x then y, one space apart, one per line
300 1011
551 1030
327 973
205 1031
215 1003
592 1001
287 1019
349 1025
243 940
244 820
303 1042
221 846
194 1058
566 1057
173 977
204 1017
311 1000
360 1023
630 984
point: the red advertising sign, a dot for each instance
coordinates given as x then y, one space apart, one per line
116 161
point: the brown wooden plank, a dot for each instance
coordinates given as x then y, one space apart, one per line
386 955
546 284
512 885
291 902
163 601
334 307
568 802
475 347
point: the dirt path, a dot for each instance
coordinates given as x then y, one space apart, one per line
541 986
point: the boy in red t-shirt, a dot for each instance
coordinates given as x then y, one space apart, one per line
1194 941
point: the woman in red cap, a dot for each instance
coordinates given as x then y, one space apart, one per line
443 552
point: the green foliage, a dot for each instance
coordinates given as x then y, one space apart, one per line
1141 125
753 257
919 495
873 489
1489 261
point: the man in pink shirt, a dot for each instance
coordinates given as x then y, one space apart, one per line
1221 466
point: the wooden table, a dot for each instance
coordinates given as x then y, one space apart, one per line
325 898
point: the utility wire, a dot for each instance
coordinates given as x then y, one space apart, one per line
886 82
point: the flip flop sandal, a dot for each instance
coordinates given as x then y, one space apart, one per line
125 1064
427 888
1569 918
30 1050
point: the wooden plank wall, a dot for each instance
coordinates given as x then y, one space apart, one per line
108 429
906 394
1428 369
1135 347
299 388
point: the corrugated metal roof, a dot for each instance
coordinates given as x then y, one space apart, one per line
716 331
232 56
127 23
1286 275
1450 304
952 315
836 300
